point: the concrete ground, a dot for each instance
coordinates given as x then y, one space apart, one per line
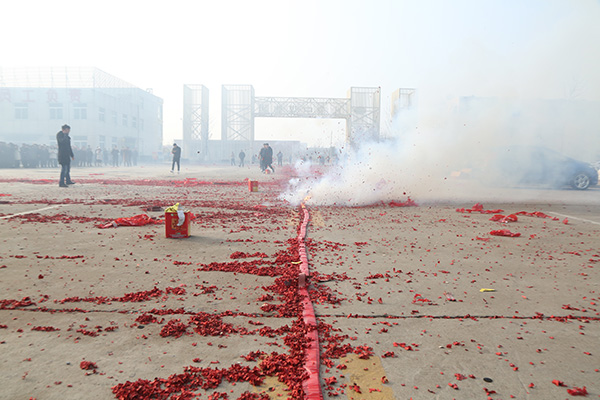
418 302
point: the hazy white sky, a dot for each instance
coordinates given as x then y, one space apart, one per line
316 48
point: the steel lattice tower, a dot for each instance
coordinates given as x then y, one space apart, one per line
195 120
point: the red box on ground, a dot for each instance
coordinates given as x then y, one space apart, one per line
177 232
253 186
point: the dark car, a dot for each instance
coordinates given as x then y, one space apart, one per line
527 165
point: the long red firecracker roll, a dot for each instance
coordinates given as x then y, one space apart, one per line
312 387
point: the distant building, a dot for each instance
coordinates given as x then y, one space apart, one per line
101 109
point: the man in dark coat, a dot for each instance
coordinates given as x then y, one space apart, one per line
176 157
266 158
65 155
242 155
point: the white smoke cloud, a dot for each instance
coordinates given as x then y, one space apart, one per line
476 98
448 156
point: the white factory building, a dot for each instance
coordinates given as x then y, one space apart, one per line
102 110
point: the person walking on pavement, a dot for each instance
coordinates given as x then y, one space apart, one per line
65 155
176 157
242 155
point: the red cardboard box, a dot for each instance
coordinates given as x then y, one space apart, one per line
177 232
253 186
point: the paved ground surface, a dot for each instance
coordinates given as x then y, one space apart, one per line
397 291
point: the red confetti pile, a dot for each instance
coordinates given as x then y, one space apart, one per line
504 232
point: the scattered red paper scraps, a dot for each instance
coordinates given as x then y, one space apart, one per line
57 218
5 194
408 203
87 365
418 298
11 304
576 391
45 328
460 377
137 220
139 182
504 232
478 208
504 218
239 254
558 383
536 214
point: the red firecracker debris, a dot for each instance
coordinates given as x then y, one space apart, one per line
88 365
504 232
576 391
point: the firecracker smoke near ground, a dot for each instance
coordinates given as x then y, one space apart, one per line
446 157
539 93
418 165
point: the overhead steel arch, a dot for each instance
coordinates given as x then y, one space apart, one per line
361 110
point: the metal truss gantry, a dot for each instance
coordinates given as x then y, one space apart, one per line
195 120
361 110
403 99
301 107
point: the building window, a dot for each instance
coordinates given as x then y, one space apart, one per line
80 141
101 114
101 141
56 111
124 119
80 111
21 111
133 122
114 117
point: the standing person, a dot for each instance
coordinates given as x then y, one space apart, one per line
127 157
115 156
280 158
266 158
65 155
17 156
53 157
242 155
176 157
232 159
98 153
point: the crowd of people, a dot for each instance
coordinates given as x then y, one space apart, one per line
265 158
44 156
